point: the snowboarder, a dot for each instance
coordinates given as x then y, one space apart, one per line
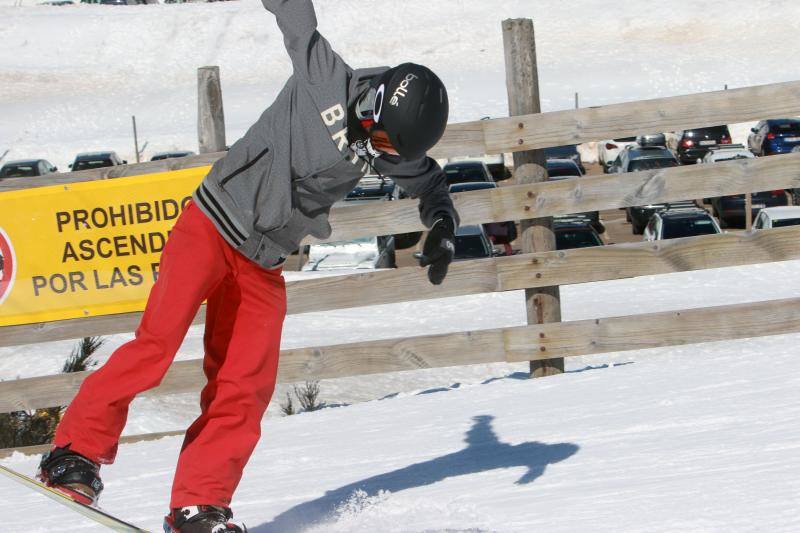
329 125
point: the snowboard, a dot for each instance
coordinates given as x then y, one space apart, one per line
92 513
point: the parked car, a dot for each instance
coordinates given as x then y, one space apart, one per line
364 253
557 172
90 160
503 233
726 152
569 151
638 158
776 136
677 223
27 168
563 168
639 216
495 163
641 158
467 171
373 188
381 188
777 217
607 151
730 210
472 243
652 139
171 155
575 232
694 144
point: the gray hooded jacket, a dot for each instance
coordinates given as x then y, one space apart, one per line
277 184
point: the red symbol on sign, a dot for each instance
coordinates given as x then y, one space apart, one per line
8 266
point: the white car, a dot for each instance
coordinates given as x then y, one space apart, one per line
607 151
677 223
777 217
365 253
726 153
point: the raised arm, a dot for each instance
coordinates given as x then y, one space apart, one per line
424 179
312 56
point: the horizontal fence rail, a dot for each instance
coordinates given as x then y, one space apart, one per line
563 267
517 344
527 132
545 199
128 439
646 116
552 198
119 171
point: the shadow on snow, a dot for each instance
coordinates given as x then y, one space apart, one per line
483 452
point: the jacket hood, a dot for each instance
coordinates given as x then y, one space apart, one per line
360 82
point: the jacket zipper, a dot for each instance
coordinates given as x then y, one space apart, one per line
241 169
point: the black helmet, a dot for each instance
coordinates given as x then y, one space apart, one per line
409 105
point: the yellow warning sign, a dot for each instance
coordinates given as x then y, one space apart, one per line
86 249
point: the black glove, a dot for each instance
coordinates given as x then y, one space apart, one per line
439 249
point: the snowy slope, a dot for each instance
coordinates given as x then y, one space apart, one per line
703 439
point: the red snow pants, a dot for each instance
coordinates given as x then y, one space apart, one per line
244 318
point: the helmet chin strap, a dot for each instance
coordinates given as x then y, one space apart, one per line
368 154
365 149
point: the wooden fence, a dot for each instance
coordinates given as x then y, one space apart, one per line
525 343
506 203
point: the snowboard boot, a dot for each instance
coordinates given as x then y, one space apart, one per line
201 519
72 474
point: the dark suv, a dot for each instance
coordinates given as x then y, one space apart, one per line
26 168
90 160
381 188
171 155
575 232
569 151
635 159
730 210
694 144
467 171
561 169
503 233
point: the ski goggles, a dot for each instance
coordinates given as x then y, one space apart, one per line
368 111
370 105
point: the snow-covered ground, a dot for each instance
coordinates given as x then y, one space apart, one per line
695 438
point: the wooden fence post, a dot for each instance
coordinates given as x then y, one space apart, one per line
522 81
210 115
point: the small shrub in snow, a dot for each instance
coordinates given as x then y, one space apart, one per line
288 406
307 396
